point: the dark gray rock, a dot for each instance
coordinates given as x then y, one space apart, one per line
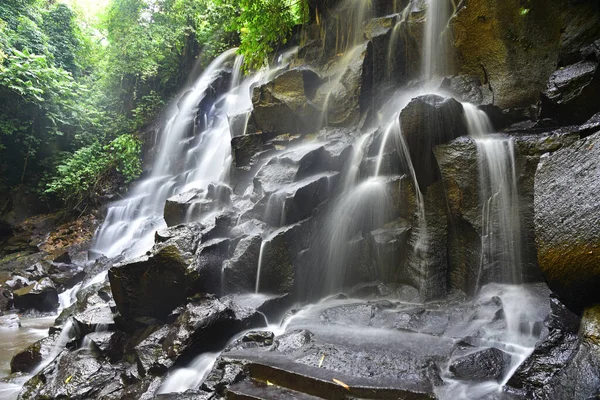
28 359
567 221
467 89
151 286
284 105
591 126
540 374
194 204
245 147
76 375
204 274
347 94
566 98
239 272
99 318
428 121
41 296
205 325
484 365
296 201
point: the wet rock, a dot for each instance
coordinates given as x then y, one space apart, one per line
295 202
93 296
591 126
239 272
151 286
467 89
284 105
252 340
293 341
66 276
349 91
428 121
552 359
205 325
277 271
567 221
194 204
99 318
28 359
76 375
63 258
109 344
389 244
566 98
204 273
37 271
187 395
41 296
240 124
490 364
245 147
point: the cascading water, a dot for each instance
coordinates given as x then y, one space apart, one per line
130 224
435 49
501 223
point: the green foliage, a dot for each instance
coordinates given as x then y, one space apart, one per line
64 37
76 88
78 174
264 25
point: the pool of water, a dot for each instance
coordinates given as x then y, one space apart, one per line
13 340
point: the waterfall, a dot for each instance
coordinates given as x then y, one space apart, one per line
191 376
501 223
435 46
130 223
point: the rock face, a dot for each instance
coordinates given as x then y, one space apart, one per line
515 47
568 236
284 104
566 98
151 286
428 121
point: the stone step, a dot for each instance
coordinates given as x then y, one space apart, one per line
319 382
254 390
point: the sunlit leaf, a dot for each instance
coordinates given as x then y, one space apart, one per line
342 384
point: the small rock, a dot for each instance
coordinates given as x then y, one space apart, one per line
489 364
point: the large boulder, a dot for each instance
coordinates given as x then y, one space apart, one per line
284 105
41 296
484 365
428 121
567 221
515 47
568 93
347 94
151 286
204 325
